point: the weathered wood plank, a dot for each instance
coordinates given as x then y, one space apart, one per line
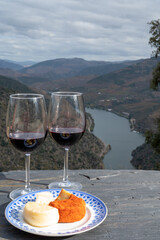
132 198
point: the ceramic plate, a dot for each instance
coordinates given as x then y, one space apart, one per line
96 212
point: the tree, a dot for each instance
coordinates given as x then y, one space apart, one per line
154 41
156 77
154 138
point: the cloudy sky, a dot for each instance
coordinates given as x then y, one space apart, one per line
111 30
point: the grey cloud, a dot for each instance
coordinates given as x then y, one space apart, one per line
104 30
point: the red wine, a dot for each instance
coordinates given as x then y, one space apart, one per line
66 136
26 142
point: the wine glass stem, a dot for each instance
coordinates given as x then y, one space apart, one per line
27 169
65 174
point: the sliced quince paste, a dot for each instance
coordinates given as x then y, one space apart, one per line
71 208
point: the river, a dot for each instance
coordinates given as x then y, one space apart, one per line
115 130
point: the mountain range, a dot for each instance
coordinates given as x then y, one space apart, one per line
52 70
121 87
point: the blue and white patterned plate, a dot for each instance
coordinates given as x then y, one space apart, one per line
96 212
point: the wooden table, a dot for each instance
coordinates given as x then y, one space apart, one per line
132 198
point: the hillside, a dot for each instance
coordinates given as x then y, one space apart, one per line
107 68
13 74
13 85
9 65
66 72
133 71
64 68
123 87
88 153
145 157
120 86
56 69
127 91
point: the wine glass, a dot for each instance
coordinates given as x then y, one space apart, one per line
66 126
26 129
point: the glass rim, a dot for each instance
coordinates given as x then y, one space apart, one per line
67 93
26 95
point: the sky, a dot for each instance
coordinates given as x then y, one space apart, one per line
109 30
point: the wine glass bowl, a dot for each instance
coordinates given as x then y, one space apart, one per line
66 127
26 129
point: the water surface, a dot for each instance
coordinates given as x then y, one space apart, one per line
115 130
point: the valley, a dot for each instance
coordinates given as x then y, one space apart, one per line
50 155
121 87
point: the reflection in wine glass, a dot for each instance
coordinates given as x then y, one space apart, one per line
66 126
26 128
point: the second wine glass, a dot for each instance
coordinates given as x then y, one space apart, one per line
66 126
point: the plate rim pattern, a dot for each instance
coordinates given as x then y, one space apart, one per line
13 209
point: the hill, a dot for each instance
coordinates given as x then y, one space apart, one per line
145 157
25 63
127 73
127 92
13 85
56 69
88 153
59 70
9 65
106 68
121 87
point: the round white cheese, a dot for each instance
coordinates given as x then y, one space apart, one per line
40 215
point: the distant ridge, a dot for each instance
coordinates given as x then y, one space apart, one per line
107 67
60 68
130 71
10 65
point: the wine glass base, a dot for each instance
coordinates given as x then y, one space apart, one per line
21 191
65 185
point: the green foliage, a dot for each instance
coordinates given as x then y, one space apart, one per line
157 166
154 138
156 77
148 136
154 40
145 157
